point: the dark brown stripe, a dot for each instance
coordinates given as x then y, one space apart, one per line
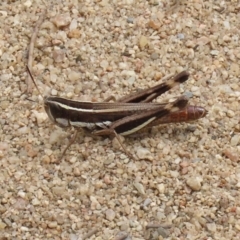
130 122
147 95
139 120
88 111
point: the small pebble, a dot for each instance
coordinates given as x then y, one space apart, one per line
161 188
144 153
55 136
235 140
154 56
147 202
4 104
59 191
48 151
189 44
194 183
139 187
237 226
104 64
62 20
75 33
40 116
94 203
73 24
52 224
164 233
143 42
73 236
230 113
28 3
58 55
130 20
121 236
180 36
54 92
131 80
110 214
23 130
174 174
231 154
188 94
234 69
21 194
4 13
35 202
211 227
214 52
2 225
24 229
123 65
74 76
153 24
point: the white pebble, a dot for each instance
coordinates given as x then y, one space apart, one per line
214 52
174 174
28 3
147 202
4 146
230 113
54 92
48 152
24 229
235 140
74 76
35 202
104 64
23 130
40 116
194 183
21 194
55 136
94 203
52 224
73 24
166 150
58 55
161 188
123 65
144 153
211 227
62 20
6 76
128 2
226 24
73 237
4 13
128 73
110 214
131 80
73 160
53 77
139 187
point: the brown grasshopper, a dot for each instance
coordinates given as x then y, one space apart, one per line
126 116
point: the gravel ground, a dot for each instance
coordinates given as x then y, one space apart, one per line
188 188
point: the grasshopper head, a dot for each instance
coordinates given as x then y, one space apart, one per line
52 109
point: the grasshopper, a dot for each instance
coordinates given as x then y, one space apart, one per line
126 116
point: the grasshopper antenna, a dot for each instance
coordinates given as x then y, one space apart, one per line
31 76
